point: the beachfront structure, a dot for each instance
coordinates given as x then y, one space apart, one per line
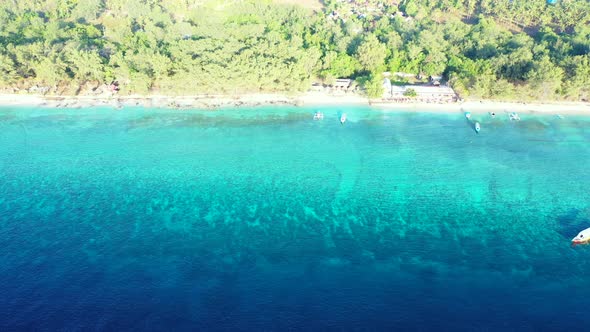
423 93
338 86
342 84
436 79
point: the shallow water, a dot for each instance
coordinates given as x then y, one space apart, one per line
263 219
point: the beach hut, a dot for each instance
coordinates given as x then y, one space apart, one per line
435 79
342 84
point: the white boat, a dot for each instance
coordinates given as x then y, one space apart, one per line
514 116
318 116
468 115
477 127
343 118
582 238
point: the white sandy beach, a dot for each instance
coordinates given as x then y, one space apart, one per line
307 99
157 101
486 106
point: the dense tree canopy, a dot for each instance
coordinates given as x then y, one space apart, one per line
505 49
171 46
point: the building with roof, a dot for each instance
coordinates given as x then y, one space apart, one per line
342 84
423 93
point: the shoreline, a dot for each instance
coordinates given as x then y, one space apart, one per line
488 106
212 102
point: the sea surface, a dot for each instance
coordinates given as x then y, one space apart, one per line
262 219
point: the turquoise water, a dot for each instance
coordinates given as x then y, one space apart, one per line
263 219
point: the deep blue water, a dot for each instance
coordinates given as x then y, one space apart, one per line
263 219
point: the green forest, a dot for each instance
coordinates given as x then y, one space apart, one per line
502 49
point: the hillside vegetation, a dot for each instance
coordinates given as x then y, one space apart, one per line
486 49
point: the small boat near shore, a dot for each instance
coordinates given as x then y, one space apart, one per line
343 118
477 127
514 116
582 238
318 116
468 115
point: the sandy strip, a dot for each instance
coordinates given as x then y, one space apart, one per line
157 101
14 99
488 106
308 99
319 99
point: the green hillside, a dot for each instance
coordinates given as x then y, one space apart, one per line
514 50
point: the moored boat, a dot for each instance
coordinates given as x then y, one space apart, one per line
477 127
343 118
582 238
514 116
